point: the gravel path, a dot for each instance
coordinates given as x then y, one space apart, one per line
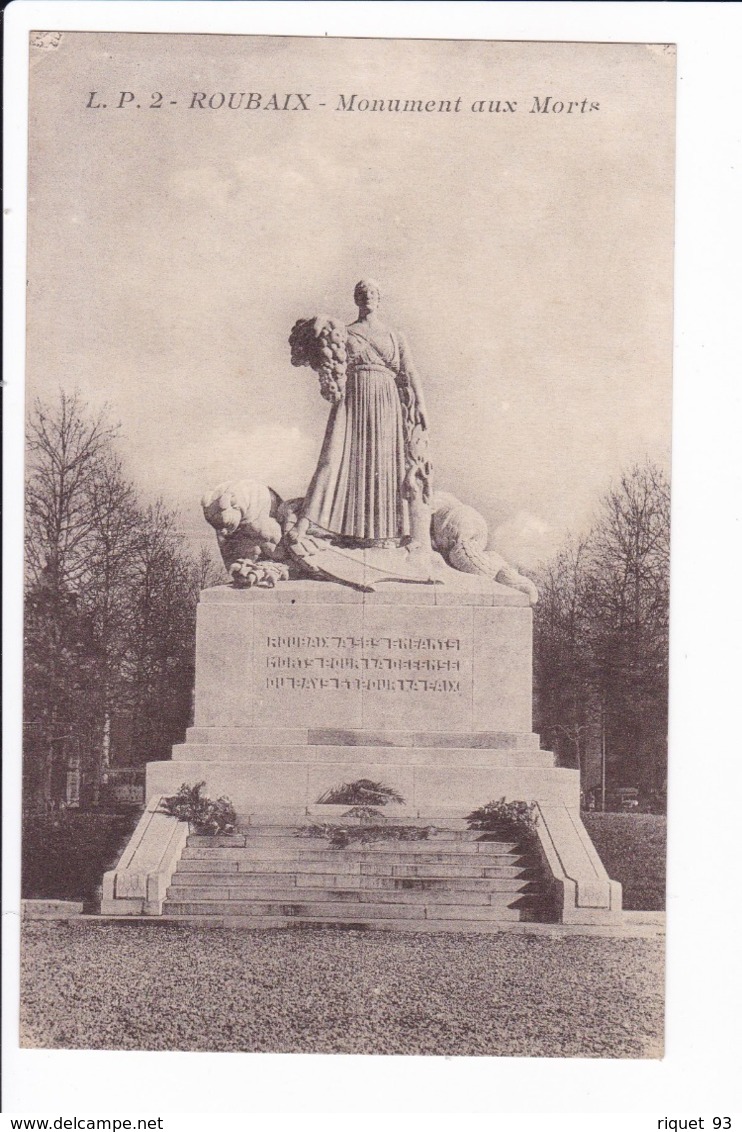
132 986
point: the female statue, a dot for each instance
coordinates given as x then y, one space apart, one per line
372 484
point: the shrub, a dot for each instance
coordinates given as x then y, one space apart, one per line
206 816
363 792
365 815
504 817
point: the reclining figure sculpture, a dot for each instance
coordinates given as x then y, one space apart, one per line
252 523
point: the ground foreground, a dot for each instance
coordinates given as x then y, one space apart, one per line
162 986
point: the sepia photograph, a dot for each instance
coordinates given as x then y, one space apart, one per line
346 545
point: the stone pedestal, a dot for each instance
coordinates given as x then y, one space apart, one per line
425 688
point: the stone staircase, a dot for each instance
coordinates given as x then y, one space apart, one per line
269 876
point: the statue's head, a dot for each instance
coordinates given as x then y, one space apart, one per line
367 294
222 513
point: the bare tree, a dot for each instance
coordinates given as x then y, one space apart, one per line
108 578
65 447
628 608
563 662
110 599
209 570
162 657
601 639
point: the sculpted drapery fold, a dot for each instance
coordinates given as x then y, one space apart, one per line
356 491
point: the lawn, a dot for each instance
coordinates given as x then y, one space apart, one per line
65 854
88 985
633 848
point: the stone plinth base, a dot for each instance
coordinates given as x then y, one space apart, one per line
257 785
424 688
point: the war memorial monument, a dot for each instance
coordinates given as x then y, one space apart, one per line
367 634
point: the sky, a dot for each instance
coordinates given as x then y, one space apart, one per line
527 256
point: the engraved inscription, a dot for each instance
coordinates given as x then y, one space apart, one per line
338 683
393 643
388 664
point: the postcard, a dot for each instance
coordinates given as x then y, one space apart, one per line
348 393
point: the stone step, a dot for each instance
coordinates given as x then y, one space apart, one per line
292 895
332 866
335 910
384 738
459 846
432 869
337 759
358 923
350 895
498 883
280 835
288 819
287 822
314 849
514 881
358 737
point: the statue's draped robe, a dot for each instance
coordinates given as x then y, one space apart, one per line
356 491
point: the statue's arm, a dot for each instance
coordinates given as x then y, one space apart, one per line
409 375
